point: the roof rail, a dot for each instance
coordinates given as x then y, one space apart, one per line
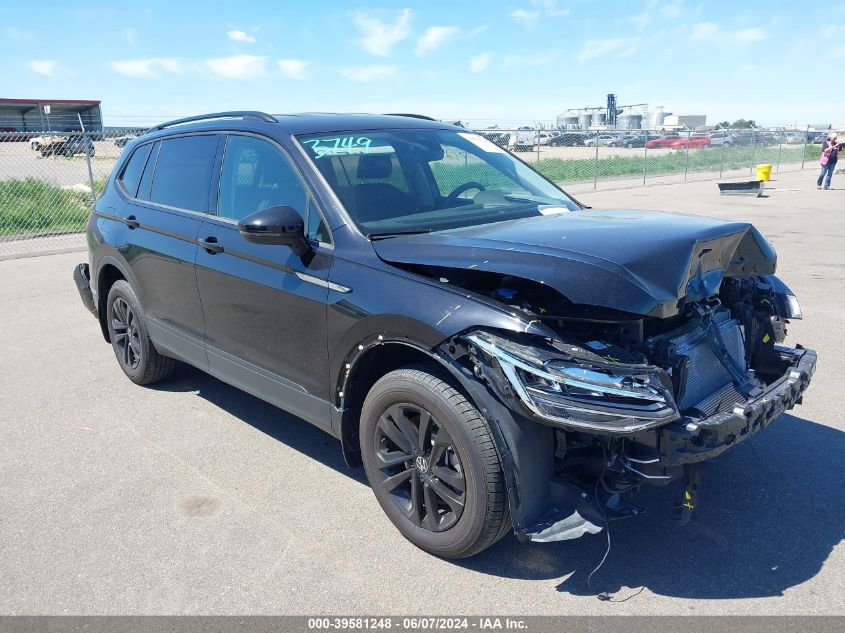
413 116
236 114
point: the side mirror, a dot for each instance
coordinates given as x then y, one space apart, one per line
281 226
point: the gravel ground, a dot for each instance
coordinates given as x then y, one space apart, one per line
192 497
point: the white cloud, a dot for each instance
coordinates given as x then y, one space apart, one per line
238 66
293 68
712 32
831 30
641 20
746 36
240 36
705 30
535 59
46 67
550 7
131 35
18 35
150 67
478 30
620 47
671 10
481 62
366 74
378 37
433 38
524 15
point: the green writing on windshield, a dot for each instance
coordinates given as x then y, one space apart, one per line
338 145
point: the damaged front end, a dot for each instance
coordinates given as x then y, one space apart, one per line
628 400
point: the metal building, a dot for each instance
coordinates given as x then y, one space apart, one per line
49 115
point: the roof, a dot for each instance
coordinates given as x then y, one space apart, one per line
315 123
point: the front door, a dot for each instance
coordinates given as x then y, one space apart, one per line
264 306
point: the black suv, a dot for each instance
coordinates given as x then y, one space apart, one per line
495 354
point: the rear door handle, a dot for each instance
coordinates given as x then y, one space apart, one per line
211 245
131 222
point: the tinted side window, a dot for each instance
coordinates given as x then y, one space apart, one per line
183 172
131 175
256 175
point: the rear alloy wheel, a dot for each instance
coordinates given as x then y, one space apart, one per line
127 326
432 464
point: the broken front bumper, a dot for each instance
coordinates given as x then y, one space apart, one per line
669 453
689 441
686 443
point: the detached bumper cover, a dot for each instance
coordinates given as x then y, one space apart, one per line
83 283
687 442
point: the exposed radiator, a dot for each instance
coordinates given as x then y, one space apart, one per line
709 386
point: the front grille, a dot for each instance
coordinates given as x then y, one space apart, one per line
709 386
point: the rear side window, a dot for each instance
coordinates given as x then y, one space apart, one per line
130 177
183 172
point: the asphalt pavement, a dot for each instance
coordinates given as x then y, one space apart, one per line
193 498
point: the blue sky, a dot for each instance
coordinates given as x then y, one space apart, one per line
518 62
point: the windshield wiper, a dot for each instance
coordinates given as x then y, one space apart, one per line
388 235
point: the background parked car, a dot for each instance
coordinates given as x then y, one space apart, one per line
638 139
522 140
719 137
70 145
499 138
693 140
121 141
603 140
567 139
663 141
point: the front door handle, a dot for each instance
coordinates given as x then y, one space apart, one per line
211 245
131 222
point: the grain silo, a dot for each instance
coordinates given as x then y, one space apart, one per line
568 120
584 120
629 121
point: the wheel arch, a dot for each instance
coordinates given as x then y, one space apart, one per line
373 358
109 271
524 447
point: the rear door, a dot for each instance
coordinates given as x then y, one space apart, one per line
264 306
164 210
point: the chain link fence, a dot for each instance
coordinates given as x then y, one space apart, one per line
585 160
48 181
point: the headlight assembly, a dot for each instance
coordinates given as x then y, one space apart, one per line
588 395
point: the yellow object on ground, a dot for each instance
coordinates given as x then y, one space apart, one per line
764 172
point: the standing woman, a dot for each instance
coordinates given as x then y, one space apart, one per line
830 154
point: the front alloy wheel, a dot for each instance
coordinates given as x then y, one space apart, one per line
432 463
420 468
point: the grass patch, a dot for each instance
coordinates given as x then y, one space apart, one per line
32 206
711 159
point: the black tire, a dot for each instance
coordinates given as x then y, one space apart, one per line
130 339
469 462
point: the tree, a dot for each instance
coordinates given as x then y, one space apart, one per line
723 125
742 123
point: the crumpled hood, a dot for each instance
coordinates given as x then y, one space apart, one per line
644 262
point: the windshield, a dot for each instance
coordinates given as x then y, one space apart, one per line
400 181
